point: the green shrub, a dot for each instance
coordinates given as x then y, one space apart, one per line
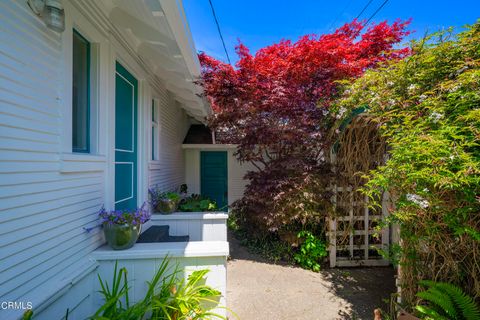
427 109
311 252
197 203
446 301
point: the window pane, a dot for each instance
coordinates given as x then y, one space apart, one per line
80 94
154 131
153 111
153 143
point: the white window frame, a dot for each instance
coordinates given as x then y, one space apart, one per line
90 95
99 52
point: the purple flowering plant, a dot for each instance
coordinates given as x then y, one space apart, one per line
133 217
157 196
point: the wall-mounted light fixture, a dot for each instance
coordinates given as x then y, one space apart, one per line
51 12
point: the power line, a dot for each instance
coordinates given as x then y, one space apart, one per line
375 13
364 8
339 14
219 31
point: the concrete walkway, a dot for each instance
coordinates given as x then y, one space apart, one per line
260 290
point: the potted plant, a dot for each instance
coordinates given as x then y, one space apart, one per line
122 227
164 202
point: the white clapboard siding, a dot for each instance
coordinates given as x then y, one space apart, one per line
236 175
37 208
169 171
192 170
29 110
60 264
48 197
32 124
41 240
42 211
78 299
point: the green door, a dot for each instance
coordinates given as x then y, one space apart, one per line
213 177
125 139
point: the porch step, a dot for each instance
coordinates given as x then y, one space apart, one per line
160 234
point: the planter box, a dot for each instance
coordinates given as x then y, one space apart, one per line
143 260
199 226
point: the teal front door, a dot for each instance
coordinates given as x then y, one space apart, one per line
213 177
126 87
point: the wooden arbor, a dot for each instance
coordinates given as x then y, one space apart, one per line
353 231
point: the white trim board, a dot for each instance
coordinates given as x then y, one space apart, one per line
159 250
190 216
205 146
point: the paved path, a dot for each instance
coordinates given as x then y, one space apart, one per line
264 291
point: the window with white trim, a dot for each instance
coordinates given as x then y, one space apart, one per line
84 89
155 132
81 94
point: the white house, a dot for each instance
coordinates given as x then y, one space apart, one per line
93 115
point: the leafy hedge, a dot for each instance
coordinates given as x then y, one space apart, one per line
427 106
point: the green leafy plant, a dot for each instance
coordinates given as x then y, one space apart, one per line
116 297
187 299
312 250
156 196
27 315
164 202
197 203
445 301
167 297
391 252
171 196
426 109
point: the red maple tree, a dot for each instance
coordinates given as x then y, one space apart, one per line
276 105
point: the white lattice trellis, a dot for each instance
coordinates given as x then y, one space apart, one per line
353 238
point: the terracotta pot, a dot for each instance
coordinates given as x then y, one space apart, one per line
121 236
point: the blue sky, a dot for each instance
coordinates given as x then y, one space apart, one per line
258 23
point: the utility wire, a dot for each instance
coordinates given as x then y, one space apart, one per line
339 14
219 31
364 8
375 13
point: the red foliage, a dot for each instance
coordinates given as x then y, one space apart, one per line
274 104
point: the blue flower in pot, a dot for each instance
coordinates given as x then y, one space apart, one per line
122 227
